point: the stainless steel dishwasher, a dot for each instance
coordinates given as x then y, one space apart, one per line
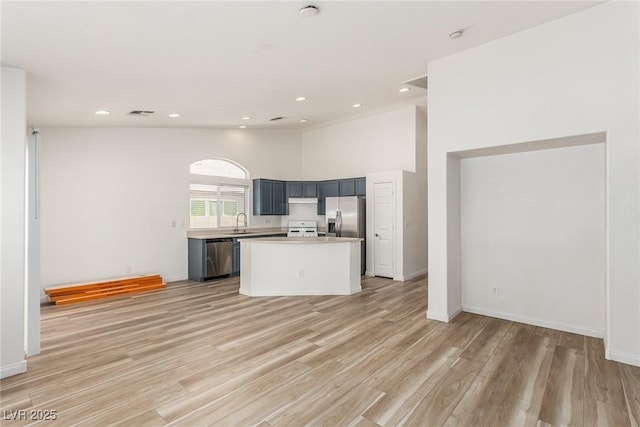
219 257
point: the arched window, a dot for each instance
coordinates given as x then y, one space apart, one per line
218 167
218 192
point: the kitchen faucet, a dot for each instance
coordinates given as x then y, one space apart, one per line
238 221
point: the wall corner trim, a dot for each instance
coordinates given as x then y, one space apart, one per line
13 369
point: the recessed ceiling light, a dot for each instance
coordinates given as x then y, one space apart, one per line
309 11
301 98
102 112
174 115
303 120
404 89
242 127
246 118
456 34
357 105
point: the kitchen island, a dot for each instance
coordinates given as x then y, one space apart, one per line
274 266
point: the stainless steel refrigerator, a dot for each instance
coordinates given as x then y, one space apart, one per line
346 217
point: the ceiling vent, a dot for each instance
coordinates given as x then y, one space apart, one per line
275 119
418 82
140 113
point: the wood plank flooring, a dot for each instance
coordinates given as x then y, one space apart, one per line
198 354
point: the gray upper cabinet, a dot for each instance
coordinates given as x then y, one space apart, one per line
327 189
280 206
331 188
262 197
361 186
309 189
302 189
348 187
322 194
269 197
295 189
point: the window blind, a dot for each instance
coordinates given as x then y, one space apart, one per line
216 206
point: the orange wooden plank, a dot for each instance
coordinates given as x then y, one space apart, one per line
97 285
72 289
81 298
54 298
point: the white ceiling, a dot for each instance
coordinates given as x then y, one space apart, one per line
214 62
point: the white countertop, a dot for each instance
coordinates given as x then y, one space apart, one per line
229 234
298 240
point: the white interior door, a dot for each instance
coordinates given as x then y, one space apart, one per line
383 229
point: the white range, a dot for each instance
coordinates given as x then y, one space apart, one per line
303 229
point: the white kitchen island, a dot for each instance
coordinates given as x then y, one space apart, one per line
273 266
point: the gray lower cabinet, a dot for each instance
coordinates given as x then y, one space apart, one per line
209 258
236 257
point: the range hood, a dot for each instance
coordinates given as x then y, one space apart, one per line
306 200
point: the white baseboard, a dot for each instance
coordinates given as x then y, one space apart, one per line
368 273
13 369
293 293
618 356
536 322
443 317
414 274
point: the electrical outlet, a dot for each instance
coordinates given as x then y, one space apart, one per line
301 274
494 290
173 224
127 269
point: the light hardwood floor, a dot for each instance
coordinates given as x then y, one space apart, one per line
201 354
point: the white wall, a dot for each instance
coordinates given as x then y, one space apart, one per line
303 211
573 76
532 228
12 222
415 252
410 244
110 195
378 143
389 145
